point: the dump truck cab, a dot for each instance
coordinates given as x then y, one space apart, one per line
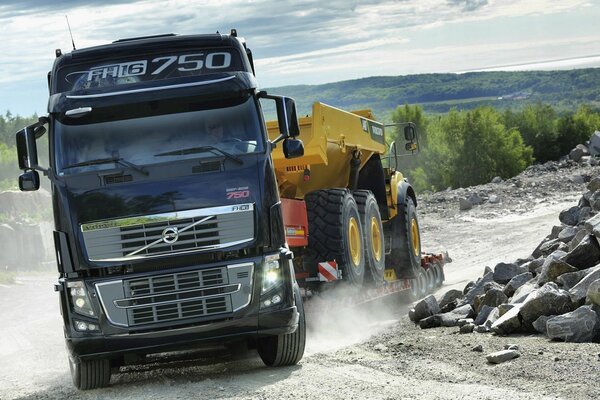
168 226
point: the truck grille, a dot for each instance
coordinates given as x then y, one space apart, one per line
160 234
177 297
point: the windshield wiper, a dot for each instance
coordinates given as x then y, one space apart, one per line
117 160
200 149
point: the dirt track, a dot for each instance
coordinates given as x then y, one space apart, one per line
375 353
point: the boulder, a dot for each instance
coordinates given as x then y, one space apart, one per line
464 204
516 283
595 201
581 325
487 270
449 297
430 322
579 291
533 265
592 226
569 216
547 300
426 308
594 147
568 280
522 292
477 289
585 255
450 306
540 323
494 199
556 230
508 323
493 298
502 356
552 269
578 152
467 328
492 317
475 199
585 213
504 272
451 318
469 286
550 246
483 315
497 179
593 293
582 234
504 308
594 184
567 234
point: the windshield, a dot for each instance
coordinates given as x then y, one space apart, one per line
145 140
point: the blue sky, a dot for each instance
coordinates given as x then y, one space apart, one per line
309 42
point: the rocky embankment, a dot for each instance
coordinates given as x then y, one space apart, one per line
555 291
25 231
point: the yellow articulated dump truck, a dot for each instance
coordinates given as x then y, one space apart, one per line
347 217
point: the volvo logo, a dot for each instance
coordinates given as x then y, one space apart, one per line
170 234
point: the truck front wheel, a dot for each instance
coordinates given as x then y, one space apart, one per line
281 350
90 374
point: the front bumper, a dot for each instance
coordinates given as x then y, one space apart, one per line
275 322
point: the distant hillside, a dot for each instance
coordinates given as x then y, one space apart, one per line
437 93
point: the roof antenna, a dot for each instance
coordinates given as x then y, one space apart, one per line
71 33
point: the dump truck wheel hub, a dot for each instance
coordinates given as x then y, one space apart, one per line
416 245
355 239
376 239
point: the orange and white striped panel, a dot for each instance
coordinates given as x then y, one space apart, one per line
328 271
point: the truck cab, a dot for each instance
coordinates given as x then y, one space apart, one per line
168 224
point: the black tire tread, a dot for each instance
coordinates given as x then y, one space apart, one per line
91 374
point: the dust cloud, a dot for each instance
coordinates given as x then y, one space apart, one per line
338 317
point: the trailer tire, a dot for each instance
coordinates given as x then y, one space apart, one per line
405 255
335 232
89 374
439 274
288 349
373 236
431 276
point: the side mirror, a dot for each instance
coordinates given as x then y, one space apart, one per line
26 146
29 181
287 116
293 148
409 132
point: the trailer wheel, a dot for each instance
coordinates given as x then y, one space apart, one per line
335 232
405 255
439 274
373 235
281 350
423 283
90 374
431 275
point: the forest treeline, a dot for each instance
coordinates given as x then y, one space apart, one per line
470 147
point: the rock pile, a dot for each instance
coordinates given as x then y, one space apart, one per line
556 291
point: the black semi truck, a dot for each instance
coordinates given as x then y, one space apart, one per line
168 223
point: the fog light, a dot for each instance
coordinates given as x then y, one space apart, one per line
83 326
276 299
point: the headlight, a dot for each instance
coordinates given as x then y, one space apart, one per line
271 273
79 298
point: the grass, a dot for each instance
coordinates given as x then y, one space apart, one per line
7 278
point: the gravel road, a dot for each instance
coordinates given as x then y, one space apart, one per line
373 353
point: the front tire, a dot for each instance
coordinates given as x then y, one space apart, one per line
288 349
90 374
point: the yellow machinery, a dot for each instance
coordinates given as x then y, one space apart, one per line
345 215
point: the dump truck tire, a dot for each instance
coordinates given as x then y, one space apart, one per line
431 274
335 232
405 255
439 274
373 236
288 349
90 374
